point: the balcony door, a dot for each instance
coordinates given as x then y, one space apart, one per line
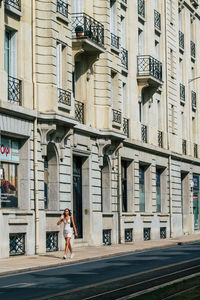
77 6
77 195
10 53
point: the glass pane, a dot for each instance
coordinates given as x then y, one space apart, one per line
9 188
142 189
7 52
158 192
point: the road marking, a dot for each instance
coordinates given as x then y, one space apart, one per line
18 285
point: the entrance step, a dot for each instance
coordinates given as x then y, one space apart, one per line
79 243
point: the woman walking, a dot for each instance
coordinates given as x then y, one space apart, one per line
68 230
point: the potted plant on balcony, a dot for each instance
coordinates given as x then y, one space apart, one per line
79 31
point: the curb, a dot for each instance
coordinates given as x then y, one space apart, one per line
69 263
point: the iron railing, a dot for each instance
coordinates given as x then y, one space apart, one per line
51 241
181 39
14 3
192 47
128 235
195 151
195 3
62 8
141 8
157 20
148 65
124 58
184 147
107 237
88 28
194 100
182 92
114 40
117 116
125 1
163 232
14 90
144 133
147 234
17 244
64 97
79 111
160 138
126 126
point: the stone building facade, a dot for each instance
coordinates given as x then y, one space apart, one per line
99 110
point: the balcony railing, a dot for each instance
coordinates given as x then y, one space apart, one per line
114 40
148 65
195 3
157 20
62 8
181 39
144 133
184 147
160 138
14 90
126 127
182 93
192 47
124 58
64 97
79 111
84 26
141 8
194 100
117 116
125 1
195 151
14 3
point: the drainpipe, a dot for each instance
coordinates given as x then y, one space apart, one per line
35 133
120 194
167 125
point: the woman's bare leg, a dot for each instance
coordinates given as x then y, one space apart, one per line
67 245
70 247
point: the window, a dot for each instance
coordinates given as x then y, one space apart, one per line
181 70
114 87
123 32
10 53
140 42
124 185
157 49
172 62
158 190
113 16
142 189
45 183
61 62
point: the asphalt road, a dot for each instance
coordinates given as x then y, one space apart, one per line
109 278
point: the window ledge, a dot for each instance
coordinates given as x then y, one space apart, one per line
62 18
16 211
114 49
13 10
64 106
17 222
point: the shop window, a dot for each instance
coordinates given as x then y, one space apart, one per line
9 157
142 189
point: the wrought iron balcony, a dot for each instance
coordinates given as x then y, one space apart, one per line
79 111
117 116
14 3
181 39
195 3
184 147
62 8
182 93
126 127
195 150
194 100
160 138
114 40
124 58
125 1
144 133
14 90
157 20
192 47
64 97
84 26
141 8
149 66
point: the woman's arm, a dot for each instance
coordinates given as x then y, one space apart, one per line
74 226
60 220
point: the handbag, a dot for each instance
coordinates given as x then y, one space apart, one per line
71 225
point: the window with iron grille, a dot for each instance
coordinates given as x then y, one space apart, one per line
194 101
182 92
160 138
195 150
144 133
147 234
79 111
181 39
107 237
128 235
184 147
117 116
114 40
141 8
14 3
149 66
51 241
163 232
126 127
192 47
124 58
64 97
157 20
62 8
17 244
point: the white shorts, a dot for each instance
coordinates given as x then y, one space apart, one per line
67 233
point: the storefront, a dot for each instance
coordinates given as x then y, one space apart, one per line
196 201
9 161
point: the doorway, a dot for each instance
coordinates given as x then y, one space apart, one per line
77 195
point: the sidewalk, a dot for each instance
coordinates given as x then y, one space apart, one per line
19 264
